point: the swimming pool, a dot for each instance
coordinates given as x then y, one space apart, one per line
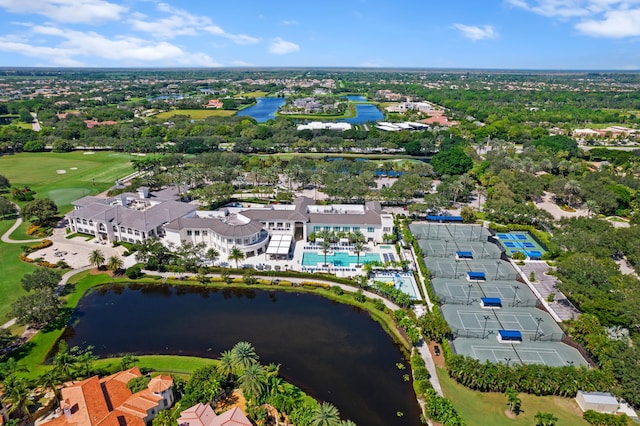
404 283
337 259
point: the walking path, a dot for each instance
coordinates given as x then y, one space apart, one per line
6 237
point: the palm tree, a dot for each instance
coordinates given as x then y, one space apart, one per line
357 236
17 393
347 423
167 417
226 364
545 419
114 263
253 380
64 362
326 245
236 254
591 206
325 414
358 248
243 354
513 400
572 187
50 379
212 255
96 258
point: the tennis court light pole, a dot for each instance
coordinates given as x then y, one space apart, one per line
539 320
456 273
446 246
515 292
486 318
470 285
508 361
497 268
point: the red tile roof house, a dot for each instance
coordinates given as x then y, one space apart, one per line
108 401
214 103
203 415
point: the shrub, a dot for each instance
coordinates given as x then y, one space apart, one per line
604 419
134 272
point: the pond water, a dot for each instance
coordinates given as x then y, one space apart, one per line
356 98
334 352
365 113
264 110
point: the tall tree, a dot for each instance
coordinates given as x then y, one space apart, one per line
545 419
358 248
253 380
41 211
96 258
41 278
325 414
243 354
513 400
236 255
114 263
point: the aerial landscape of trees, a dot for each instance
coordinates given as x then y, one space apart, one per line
510 161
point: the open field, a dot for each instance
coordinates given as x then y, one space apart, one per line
487 408
84 174
12 272
256 94
349 113
196 114
167 364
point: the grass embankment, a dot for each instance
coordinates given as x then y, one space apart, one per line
488 408
196 114
12 272
165 364
83 174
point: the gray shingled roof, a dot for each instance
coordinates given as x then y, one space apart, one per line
216 225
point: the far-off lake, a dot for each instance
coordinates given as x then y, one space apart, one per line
334 352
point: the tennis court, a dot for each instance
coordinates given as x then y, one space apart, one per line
523 242
449 248
452 232
462 292
495 270
554 354
474 321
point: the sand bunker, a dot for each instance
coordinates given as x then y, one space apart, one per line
74 168
61 172
88 153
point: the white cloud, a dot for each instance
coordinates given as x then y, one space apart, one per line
239 63
597 18
615 24
475 32
182 23
279 46
121 49
71 11
290 22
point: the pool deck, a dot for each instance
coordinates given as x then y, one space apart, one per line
295 263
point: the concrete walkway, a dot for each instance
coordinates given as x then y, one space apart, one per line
6 237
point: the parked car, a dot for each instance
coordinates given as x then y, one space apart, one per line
436 350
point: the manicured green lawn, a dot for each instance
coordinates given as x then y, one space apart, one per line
196 114
168 364
84 174
480 408
12 272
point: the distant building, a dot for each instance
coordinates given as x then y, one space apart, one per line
316 125
214 103
93 123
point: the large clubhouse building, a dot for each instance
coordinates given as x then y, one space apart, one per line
132 217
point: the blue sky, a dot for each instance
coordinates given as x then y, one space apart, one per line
517 34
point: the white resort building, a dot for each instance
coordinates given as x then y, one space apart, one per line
133 217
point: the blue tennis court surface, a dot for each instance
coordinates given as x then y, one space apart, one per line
522 242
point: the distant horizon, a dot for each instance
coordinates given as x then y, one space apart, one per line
458 34
326 68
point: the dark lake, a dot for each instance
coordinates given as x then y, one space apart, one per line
334 352
264 110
